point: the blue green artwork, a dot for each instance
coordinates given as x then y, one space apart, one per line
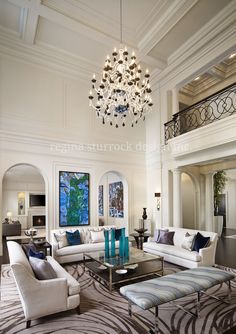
116 200
73 199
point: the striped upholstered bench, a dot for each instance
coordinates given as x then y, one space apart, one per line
157 291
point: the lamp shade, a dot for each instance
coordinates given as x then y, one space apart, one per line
9 214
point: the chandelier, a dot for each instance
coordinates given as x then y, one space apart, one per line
123 92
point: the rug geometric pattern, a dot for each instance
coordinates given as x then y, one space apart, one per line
103 312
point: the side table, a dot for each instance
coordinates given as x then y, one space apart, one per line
140 238
46 247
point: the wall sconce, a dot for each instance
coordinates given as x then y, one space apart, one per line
158 197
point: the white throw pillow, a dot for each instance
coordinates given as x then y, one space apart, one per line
97 236
61 239
188 241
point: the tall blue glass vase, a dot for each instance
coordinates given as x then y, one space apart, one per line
122 246
126 247
123 232
113 245
107 247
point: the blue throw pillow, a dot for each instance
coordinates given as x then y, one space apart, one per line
38 255
73 238
200 242
27 247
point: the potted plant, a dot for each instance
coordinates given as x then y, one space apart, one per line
220 180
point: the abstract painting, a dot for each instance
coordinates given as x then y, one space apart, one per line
73 198
116 200
100 201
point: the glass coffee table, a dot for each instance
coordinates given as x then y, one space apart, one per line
116 270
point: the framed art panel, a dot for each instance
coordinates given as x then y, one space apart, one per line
116 200
73 198
100 201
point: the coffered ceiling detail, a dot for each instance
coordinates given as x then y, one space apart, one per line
84 31
218 73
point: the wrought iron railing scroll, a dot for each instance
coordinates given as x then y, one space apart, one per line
215 107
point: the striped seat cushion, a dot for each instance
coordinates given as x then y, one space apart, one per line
161 290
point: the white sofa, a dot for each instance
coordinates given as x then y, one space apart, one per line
180 256
75 253
42 297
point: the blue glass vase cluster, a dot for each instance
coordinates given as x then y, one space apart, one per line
110 249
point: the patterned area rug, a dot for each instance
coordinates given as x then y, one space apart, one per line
103 312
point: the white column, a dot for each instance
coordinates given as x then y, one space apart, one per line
202 211
209 202
177 199
175 100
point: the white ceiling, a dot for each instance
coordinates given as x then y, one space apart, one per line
89 29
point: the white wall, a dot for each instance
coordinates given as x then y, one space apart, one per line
45 122
105 181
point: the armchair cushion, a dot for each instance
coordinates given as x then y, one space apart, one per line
34 253
26 248
42 269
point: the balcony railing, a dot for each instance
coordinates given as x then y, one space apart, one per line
213 108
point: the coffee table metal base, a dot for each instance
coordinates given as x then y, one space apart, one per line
109 278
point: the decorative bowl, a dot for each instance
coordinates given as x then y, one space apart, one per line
121 271
141 230
31 233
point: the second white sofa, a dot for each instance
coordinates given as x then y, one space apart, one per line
183 257
75 253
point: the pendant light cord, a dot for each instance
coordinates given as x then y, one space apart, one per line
121 37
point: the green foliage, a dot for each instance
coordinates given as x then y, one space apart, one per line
220 180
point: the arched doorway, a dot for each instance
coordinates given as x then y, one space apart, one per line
188 201
113 200
24 197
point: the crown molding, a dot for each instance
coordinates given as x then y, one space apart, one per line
45 145
172 15
218 23
151 18
202 47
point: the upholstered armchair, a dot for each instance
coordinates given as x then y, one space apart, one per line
42 297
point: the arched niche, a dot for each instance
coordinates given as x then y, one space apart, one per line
189 201
111 186
23 191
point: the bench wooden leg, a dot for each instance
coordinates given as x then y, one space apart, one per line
28 323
